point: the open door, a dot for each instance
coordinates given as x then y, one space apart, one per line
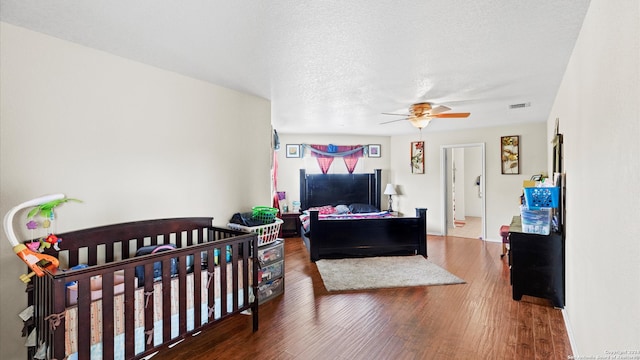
463 204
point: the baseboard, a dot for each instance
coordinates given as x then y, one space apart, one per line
567 325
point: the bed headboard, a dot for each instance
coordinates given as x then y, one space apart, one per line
335 189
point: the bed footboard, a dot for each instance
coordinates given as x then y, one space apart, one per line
122 315
367 237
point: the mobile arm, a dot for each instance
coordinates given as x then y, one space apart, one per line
31 258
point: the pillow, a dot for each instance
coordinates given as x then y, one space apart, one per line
324 210
342 209
363 208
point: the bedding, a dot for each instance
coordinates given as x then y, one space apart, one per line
305 217
362 208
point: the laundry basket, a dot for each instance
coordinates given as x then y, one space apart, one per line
265 214
267 233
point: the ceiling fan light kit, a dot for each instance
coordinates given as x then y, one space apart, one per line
421 114
420 122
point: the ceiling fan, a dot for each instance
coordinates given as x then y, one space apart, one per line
420 114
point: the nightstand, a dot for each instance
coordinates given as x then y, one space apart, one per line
291 225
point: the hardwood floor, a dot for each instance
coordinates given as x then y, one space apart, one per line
471 227
476 320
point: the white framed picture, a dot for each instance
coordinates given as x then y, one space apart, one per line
293 150
374 150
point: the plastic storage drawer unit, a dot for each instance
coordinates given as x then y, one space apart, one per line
536 221
270 272
271 253
270 289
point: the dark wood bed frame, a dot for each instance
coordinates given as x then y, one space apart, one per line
194 237
357 237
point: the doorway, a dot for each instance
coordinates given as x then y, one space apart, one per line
462 169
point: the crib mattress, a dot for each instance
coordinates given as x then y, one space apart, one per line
71 314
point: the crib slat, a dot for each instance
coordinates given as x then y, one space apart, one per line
154 240
166 300
108 256
211 268
73 258
148 306
56 304
245 273
107 315
197 289
129 312
190 238
124 250
182 295
222 259
235 276
92 255
140 242
84 315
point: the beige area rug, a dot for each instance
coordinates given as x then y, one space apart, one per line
382 272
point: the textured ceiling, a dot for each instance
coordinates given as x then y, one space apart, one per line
335 66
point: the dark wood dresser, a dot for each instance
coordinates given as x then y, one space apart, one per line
537 264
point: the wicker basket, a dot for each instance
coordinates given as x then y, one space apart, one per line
267 233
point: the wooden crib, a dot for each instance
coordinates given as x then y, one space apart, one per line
107 310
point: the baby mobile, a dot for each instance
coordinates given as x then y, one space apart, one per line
47 216
41 216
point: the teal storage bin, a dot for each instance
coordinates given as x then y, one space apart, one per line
542 197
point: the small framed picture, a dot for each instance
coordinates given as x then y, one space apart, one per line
293 150
374 150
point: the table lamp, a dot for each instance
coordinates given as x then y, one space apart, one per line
390 190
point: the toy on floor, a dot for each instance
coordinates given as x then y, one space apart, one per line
29 253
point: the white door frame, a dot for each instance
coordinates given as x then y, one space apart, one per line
443 185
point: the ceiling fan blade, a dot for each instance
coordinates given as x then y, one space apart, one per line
451 115
388 122
439 109
395 114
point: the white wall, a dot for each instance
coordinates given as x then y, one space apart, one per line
502 191
598 108
132 141
289 168
423 190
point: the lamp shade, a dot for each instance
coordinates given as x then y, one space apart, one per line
390 190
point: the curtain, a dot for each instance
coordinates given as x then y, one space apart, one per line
326 153
274 179
351 160
324 159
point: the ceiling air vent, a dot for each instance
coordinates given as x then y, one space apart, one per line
518 106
